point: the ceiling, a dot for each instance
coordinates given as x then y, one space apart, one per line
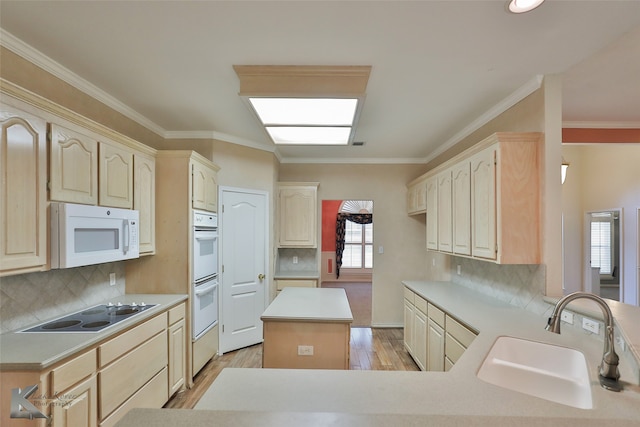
437 66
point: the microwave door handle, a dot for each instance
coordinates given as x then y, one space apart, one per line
126 236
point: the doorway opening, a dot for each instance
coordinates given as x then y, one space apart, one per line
347 253
604 261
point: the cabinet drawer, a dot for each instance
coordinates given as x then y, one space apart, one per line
452 348
421 304
124 377
281 284
461 333
409 295
118 346
436 315
176 314
151 395
73 371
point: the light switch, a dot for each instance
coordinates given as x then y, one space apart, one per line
380 249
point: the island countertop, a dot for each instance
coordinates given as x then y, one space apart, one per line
309 304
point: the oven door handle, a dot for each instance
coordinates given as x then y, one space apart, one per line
205 290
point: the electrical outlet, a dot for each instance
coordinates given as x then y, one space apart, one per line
620 343
305 350
380 249
295 259
590 325
459 269
112 279
567 317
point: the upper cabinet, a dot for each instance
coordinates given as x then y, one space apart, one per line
23 197
205 186
144 200
485 202
298 215
417 196
116 176
73 166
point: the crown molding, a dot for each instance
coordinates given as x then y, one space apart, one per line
518 95
39 59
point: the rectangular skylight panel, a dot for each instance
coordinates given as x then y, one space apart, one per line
305 111
309 135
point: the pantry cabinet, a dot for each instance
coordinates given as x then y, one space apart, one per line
486 201
73 166
116 176
205 187
298 216
23 196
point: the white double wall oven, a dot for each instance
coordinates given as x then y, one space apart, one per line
205 273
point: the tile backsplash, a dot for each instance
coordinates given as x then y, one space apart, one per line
519 285
34 297
307 259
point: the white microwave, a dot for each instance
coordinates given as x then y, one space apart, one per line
86 235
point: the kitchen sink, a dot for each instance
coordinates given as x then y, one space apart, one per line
93 319
547 371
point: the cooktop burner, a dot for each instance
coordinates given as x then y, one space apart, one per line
92 319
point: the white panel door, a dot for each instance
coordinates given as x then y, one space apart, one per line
244 255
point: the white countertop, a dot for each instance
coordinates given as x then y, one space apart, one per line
310 305
455 395
35 351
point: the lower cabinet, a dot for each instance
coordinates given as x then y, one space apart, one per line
434 338
176 335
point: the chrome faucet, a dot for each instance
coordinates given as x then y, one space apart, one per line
608 373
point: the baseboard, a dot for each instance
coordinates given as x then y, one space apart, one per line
387 325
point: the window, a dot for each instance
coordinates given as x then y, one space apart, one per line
358 246
602 242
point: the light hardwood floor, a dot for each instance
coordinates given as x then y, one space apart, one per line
371 349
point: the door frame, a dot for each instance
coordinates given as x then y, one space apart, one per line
267 244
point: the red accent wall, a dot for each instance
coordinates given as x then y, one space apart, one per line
587 135
329 216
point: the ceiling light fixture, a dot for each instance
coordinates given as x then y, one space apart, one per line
305 105
522 6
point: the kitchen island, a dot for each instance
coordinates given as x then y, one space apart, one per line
307 328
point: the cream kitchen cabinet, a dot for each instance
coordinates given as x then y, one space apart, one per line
432 212
501 198
445 219
23 195
75 386
144 200
434 339
115 186
417 196
298 216
73 166
205 186
177 349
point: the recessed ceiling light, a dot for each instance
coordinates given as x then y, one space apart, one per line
522 6
305 111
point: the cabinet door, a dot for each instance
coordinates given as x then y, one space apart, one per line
445 220
461 187
211 191
144 200
483 204
298 217
409 316
177 360
73 167
432 213
420 339
435 346
199 185
23 194
77 406
116 176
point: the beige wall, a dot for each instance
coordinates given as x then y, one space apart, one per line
401 236
602 177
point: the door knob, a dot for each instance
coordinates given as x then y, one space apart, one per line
261 277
